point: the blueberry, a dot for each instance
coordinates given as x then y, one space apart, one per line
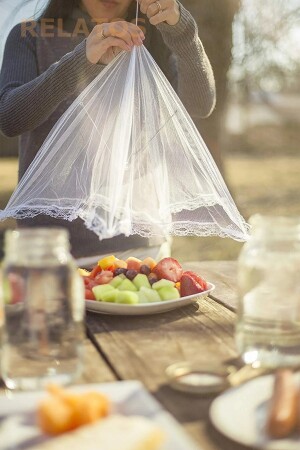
152 278
144 269
120 271
131 274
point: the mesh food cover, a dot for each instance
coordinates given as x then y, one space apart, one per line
127 158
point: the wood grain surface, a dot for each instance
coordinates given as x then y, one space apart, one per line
143 347
95 368
223 274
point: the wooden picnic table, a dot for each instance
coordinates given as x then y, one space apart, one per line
142 347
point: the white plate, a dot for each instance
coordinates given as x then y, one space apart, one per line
240 414
145 308
17 415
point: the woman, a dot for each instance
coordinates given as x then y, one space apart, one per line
48 63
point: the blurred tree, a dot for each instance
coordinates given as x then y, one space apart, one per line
267 46
214 19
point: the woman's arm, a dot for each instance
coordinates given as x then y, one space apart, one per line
26 99
196 84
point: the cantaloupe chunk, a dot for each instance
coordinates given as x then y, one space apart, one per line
55 416
64 411
91 407
120 264
149 262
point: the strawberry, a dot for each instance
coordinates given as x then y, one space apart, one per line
197 278
97 269
16 288
104 277
89 295
191 283
89 283
168 268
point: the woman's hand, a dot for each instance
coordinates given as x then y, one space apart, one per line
160 11
109 39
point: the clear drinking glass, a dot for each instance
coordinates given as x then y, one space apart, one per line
44 309
1 319
268 322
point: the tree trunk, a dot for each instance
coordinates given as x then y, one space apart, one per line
214 19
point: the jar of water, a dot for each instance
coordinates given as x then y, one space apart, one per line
44 309
268 320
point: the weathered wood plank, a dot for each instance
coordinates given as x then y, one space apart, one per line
193 413
95 369
194 333
143 347
221 273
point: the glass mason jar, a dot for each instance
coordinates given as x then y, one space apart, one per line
268 321
1 319
44 309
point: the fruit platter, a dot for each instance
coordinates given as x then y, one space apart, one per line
135 287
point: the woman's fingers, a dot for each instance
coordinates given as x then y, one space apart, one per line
152 7
145 4
129 32
158 18
160 11
121 34
115 42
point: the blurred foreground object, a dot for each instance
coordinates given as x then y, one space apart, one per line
44 310
268 322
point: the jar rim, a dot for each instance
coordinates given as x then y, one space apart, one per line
38 232
36 241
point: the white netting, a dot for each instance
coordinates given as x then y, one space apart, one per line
127 158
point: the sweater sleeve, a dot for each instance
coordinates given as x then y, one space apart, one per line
196 84
28 99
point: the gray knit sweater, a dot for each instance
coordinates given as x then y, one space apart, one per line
41 77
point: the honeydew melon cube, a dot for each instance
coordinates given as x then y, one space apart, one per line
127 285
151 294
142 297
7 292
100 290
110 296
162 283
141 280
116 281
127 297
168 293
